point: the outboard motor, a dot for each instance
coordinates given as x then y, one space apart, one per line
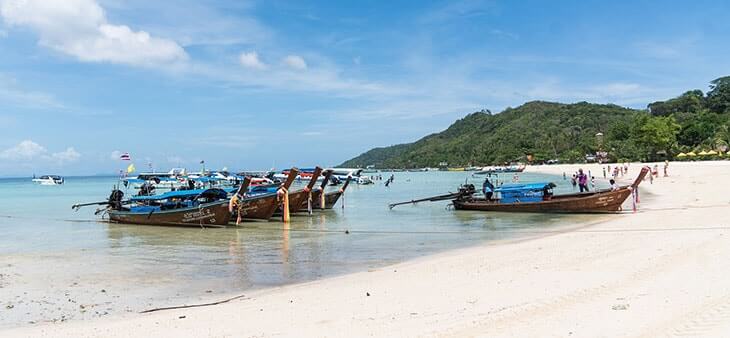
466 191
115 199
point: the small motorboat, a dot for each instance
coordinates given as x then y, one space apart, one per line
49 180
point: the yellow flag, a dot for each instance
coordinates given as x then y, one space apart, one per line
130 169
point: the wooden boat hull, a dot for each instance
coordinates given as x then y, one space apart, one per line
258 207
213 214
604 201
299 198
595 202
330 199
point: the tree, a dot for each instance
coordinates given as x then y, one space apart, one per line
692 101
655 133
718 98
722 137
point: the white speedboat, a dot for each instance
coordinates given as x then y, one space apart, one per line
49 180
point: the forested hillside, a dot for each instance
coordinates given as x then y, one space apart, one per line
568 132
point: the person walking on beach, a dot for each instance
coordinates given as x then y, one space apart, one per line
604 172
666 166
582 181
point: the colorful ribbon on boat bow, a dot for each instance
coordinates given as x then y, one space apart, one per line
282 196
321 199
234 203
634 198
309 199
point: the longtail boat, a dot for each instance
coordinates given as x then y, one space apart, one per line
538 197
317 193
262 206
203 208
302 196
331 198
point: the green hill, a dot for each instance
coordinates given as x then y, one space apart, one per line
548 130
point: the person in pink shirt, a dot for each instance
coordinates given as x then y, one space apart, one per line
582 181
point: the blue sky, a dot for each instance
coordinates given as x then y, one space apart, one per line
248 84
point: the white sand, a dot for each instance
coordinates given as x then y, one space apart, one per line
660 272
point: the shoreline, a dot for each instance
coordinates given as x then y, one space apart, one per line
611 281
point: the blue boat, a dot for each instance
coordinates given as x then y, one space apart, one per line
203 207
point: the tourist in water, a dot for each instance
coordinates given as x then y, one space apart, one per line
488 189
614 186
573 181
582 181
593 182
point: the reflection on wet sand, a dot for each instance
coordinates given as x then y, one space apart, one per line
257 253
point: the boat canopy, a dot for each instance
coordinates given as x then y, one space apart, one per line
184 194
526 186
520 193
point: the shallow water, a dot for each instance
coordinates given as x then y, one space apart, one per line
58 265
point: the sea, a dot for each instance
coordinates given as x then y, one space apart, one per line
60 265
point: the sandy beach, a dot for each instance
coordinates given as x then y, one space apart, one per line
657 272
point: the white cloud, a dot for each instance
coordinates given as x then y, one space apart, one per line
25 150
28 150
68 155
295 61
114 156
80 28
251 60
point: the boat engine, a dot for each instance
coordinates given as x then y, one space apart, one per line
115 199
466 191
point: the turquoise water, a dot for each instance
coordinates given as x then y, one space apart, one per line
56 262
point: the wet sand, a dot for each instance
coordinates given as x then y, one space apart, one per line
659 272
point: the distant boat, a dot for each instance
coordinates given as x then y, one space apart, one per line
49 180
499 170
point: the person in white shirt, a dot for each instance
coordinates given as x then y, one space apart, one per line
614 186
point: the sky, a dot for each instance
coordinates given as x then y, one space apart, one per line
272 84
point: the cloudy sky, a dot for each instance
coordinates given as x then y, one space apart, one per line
249 84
